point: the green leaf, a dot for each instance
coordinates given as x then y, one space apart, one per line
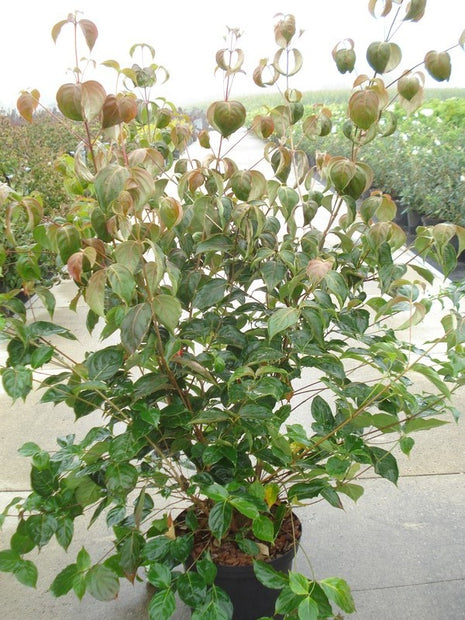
273 274
149 384
135 325
63 582
64 532
80 585
87 492
181 548
162 605
323 416
331 496
226 116
45 329
308 609
41 356
159 575
105 363
406 444
298 583
9 560
415 10
95 292
168 310
210 294
121 281
68 241
128 253
41 528
354 491
248 546
28 268
438 65
422 424
207 569
263 528
102 583
216 492
92 93
287 601
21 543
123 447
17 382
26 573
268 576
29 449
433 376
44 482
68 99
306 490
383 56
385 464
219 519
121 477
109 183
83 560
363 108
269 386
337 590
245 507
216 243
130 554
282 319
192 589
336 285
157 549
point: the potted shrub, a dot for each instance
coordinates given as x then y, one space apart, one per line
225 301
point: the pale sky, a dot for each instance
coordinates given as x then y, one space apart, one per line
187 34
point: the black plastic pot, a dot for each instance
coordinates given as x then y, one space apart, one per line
250 598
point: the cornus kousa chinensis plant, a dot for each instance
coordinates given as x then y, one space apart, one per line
252 327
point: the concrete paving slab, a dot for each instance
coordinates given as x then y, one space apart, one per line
429 601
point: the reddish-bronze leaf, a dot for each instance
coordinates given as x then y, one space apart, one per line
462 40
344 56
263 126
383 6
363 108
438 65
90 32
226 116
27 104
317 268
74 265
204 139
127 106
93 97
57 29
69 101
258 74
415 10
170 211
409 84
284 30
110 112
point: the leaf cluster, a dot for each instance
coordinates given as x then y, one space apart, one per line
254 331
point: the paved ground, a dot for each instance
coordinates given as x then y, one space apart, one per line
401 548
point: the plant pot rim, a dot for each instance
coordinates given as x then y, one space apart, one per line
286 543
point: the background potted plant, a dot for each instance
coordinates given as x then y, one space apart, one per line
227 301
